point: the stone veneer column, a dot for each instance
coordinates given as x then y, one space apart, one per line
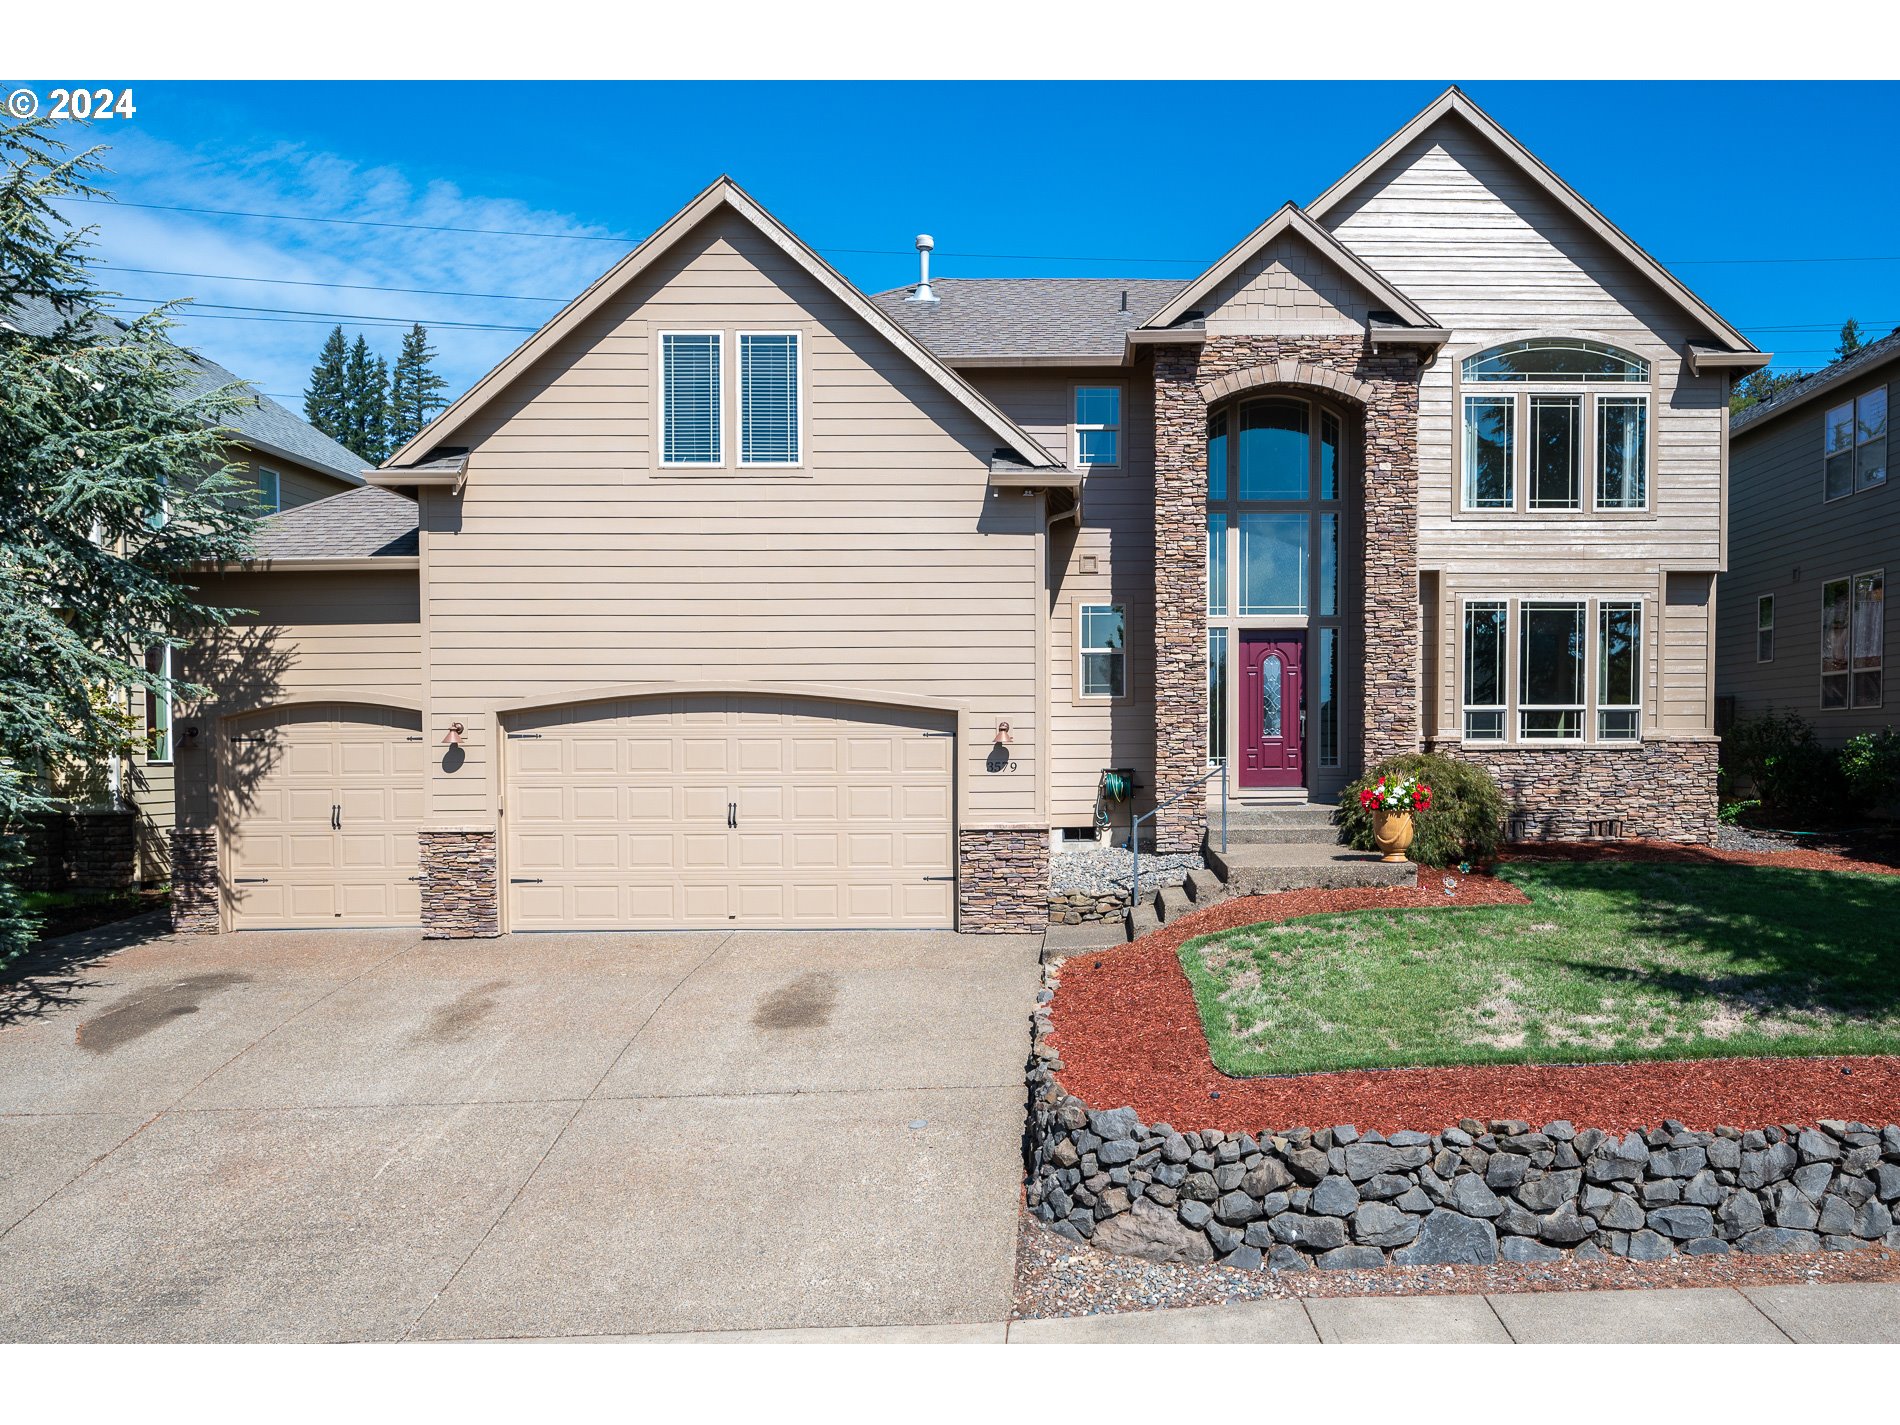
1002 881
1385 644
461 895
195 882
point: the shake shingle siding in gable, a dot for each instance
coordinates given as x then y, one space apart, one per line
573 559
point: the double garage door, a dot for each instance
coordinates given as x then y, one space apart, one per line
728 811
322 804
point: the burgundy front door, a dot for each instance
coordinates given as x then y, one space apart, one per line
1272 722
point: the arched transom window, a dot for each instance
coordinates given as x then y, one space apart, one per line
1555 424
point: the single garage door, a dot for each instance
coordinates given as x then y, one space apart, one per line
729 811
323 803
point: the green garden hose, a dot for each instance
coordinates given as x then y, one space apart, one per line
1117 786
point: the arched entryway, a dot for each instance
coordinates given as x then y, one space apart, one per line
1283 480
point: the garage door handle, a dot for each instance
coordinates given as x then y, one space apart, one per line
250 880
732 814
336 818
524 880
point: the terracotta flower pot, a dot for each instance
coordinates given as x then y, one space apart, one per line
1392 834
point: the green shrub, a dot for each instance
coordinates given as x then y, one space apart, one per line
1466 822
1777 755
1870 766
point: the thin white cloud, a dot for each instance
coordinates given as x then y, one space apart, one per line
275 355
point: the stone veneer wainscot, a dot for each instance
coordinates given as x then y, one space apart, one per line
1002 880
195 882
1386 629
461 897
1660 789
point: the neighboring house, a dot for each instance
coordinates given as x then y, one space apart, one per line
1814 527
291 463
744 599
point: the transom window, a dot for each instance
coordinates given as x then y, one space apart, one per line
1853 640
1104 651
1571 670
1542 450
1854 445
1098 427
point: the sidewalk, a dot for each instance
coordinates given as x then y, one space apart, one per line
1850 1313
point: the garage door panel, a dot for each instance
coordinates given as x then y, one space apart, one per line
600 803
323 816
870 802
820 802
706 851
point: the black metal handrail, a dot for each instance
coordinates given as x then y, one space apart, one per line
1134 827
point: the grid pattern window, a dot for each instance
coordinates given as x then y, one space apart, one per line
1854 445
158 706
1486 648
690 388
1274 549
1098 427
769 432
1216 563
1216 695
1619 671
1532 449
1329 697
270 492
1765 629
1104 651
1550 689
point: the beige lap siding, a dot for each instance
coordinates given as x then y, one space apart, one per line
573 560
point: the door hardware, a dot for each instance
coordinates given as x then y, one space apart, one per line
524 880
336 818
732 814
250 880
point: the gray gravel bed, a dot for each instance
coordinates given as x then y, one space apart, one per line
1739 838
1101 870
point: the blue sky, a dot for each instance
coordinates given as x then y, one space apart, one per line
1001 174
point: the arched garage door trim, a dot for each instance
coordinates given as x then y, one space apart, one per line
561 769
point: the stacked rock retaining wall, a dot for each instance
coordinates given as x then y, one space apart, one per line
1477 1193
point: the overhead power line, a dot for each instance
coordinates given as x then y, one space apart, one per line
341 286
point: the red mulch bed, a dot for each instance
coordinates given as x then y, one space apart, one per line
1798 859
1126 1026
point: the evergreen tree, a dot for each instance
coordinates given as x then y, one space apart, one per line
365 401
415 391
1850 339
323 395
1758 386
113 493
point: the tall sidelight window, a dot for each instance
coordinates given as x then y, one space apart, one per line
1490 434
1217 457
1550 687
1556 426
1328 456
768 398
1098 427
1622 452
1216 695
158 706
1328 564
1216 563
1562 418
1486 646
1329 697
1854 445
1870 613
690 398
1619 670
1104 651
1765 629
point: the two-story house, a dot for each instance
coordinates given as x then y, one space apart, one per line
1804 618
740 598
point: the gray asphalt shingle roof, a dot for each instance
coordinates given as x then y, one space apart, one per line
259 421
1869 356
1028 316
367 522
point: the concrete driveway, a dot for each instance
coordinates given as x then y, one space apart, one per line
368 1136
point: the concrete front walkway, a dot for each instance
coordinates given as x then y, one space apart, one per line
1850 1313
361 1136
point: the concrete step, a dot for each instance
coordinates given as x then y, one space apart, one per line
1204 887
1274 813
1140 918
1256 869
1171 903
1248 834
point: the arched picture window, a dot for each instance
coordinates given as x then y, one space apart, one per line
1581 424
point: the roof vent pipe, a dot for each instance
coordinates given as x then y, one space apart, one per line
925 242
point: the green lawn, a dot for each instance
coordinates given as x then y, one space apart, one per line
1609 961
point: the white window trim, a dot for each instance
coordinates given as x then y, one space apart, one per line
1766 605
1507 395
1594 435
1083 649
161 697
1854 487
1077 427
1513 661
1575 400
798 400
718 462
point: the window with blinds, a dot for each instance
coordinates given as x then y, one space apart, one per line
768 398
689 398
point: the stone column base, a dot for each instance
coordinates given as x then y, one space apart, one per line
195 882
461 896
1003 881
1661 790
